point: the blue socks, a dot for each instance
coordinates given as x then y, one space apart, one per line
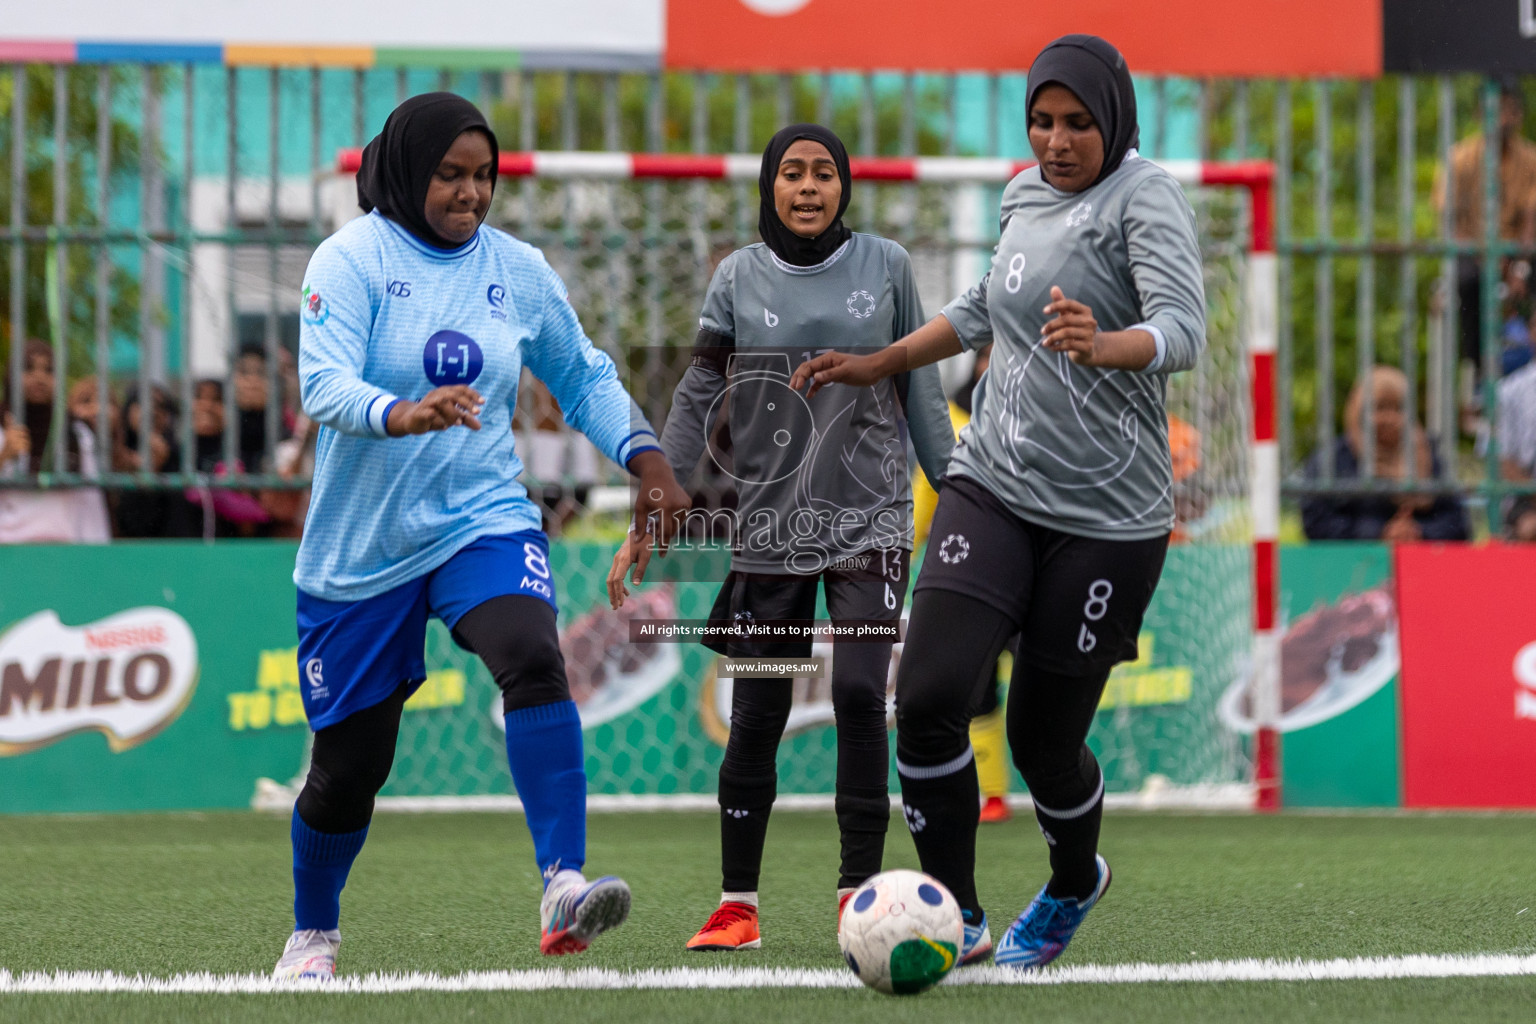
321 861
549 770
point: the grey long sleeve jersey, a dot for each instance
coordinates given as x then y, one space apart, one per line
827 478
1081 449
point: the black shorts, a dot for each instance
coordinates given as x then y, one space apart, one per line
869 587
1076 601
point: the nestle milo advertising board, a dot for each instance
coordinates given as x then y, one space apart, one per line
165 676
115 667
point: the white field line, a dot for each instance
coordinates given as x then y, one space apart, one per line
1368 968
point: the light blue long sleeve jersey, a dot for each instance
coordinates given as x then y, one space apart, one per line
386 317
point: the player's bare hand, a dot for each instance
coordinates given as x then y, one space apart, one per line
835 368
659 505
634 552
1071 329
452 406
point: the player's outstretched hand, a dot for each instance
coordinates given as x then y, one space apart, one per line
659 505
452 406
1071 329
835 368
635 550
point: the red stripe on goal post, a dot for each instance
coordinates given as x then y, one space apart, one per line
673 165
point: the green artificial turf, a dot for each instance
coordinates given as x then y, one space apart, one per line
173 894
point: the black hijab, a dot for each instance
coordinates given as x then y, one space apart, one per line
398 164
786 245
1097 75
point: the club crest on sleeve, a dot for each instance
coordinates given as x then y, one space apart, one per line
314 310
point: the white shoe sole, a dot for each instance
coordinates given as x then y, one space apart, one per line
604 908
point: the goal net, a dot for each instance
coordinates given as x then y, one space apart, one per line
636 240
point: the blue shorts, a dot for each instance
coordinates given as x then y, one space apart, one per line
354 654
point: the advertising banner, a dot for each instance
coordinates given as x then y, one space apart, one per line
165 676
116 669
1339 676
1181 37
1469 675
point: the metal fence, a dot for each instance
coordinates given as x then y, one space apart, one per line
160 218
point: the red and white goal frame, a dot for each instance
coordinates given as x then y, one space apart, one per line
1261 298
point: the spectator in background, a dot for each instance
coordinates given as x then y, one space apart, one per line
73 515
1516 436
83 402
208 426
221 512
252 392
1398 448
150 512
1517 209
1515 333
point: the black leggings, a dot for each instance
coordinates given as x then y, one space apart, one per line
516 638
749 777
948 662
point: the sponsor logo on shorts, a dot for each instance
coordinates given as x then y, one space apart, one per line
954 550
770 317
314 674
127 676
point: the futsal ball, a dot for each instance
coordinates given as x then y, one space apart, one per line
901 932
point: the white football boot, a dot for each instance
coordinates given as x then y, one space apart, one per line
310 954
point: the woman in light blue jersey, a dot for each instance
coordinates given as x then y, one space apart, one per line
415 325
1057 510
824 498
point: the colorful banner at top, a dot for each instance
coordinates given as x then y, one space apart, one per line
1282 38
1177 37
606 34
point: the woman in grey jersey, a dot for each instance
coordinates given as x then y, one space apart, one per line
1058 505
824 495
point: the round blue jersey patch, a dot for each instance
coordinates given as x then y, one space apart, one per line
452 358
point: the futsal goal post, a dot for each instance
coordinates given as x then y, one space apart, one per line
635 237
